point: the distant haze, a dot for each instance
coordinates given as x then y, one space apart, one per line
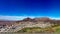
14 18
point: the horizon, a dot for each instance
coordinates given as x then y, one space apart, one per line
16 18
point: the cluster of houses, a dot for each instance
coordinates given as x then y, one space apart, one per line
6 27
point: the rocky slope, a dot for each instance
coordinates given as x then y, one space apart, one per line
42 20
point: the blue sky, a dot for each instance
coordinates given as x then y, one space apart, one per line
50 8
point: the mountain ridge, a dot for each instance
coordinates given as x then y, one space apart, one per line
43 19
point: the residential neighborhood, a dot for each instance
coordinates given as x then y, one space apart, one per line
27 22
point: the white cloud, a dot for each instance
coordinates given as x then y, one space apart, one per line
14 17
56 18
2 17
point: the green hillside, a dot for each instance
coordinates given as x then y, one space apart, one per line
38 29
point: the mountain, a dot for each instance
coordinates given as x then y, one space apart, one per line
40 20
34 20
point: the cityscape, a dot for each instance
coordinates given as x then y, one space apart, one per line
43 23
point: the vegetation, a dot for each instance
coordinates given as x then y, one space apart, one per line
55 28
35 29
30 29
